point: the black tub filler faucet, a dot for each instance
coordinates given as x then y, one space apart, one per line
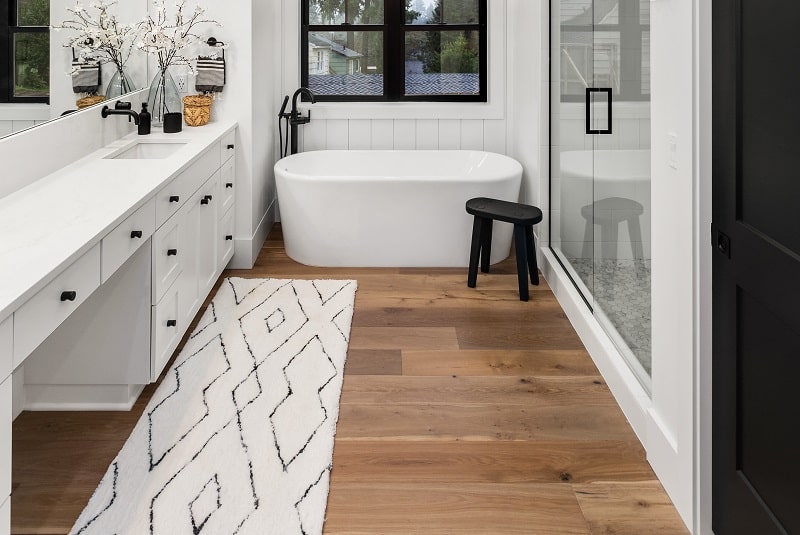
294 118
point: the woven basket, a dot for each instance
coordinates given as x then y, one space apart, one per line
197 109
91 100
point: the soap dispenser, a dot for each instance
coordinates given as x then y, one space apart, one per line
144 120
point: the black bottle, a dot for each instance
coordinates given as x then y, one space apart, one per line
144 120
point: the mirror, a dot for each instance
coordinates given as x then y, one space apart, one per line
29 62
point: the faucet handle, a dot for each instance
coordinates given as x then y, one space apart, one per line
120 105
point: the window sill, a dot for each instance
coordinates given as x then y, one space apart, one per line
406 110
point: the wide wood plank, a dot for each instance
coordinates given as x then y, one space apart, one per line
370 508
572 362
403 338
374 362
535 392
459 462
624 508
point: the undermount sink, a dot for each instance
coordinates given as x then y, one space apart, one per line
148 150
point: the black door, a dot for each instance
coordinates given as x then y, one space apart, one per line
756 397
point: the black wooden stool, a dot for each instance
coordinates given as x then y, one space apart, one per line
523 217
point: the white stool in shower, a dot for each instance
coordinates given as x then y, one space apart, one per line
609 214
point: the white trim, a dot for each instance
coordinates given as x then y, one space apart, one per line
81 397
493 109
24 112
246 250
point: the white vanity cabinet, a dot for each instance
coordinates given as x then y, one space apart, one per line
100 289
182 281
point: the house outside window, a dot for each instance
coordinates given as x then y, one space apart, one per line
395 50
25 63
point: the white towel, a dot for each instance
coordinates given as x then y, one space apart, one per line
210 75
85 76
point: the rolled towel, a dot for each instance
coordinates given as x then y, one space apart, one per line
85 76
210 75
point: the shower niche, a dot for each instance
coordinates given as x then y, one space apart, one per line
600 164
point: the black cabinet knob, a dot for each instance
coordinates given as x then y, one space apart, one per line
204 200
136 234
172 323
174 198
209 197
229 185
172 252
228 238
69 296
230 147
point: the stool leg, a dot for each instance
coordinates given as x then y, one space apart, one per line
474 252
530 246
486 244
522 261
635 232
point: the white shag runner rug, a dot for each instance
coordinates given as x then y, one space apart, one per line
238 438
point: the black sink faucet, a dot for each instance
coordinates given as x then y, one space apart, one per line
295 118
106 111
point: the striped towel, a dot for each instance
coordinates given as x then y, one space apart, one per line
210 75
85 76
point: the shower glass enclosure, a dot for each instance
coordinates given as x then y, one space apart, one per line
600 164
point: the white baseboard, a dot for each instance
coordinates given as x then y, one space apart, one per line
246 250
81 397
626 389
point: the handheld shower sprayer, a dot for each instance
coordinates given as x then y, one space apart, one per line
293 119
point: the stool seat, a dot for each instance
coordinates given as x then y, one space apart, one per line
508 212
523 217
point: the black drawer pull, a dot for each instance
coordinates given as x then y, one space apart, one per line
228 238
230 147
174 198
229 185
136 234
172 323
204 200
209 197
69 296
172 252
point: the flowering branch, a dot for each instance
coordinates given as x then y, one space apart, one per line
168 37
101 34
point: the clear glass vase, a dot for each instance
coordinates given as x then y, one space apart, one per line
163 97
119 84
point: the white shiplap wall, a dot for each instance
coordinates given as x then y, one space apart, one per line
404 134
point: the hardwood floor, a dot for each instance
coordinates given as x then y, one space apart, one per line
463 411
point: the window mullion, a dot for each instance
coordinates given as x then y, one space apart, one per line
394 49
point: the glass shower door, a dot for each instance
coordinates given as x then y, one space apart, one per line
600 173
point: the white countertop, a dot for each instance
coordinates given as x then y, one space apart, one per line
47 225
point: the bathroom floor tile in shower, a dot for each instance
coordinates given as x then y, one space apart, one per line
621 289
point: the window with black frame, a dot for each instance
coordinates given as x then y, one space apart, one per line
25 57
395 50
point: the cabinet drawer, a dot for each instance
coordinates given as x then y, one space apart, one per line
5 438
227 146
226 239
178 191
6 347
227 184
169 254
124 240
41 314
168 328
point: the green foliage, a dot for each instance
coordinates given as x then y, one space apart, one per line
457 56
33 12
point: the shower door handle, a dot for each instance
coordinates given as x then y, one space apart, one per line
589 91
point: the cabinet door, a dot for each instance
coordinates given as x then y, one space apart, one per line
226 243
191 297
207 235
168 328
5 439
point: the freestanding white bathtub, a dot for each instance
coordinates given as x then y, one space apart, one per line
390 208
